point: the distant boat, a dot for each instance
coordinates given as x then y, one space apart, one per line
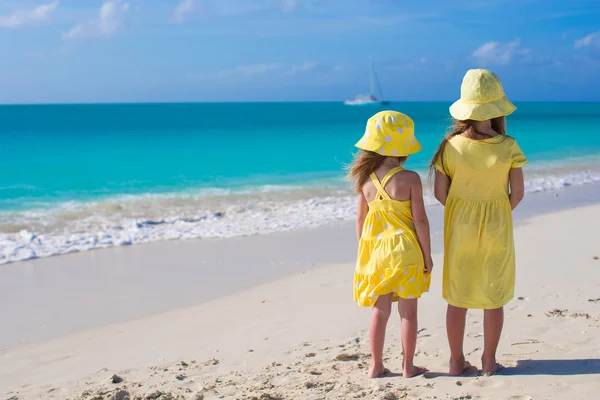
370 99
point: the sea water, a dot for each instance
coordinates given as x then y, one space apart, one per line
79 177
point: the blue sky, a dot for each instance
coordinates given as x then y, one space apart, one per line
293 50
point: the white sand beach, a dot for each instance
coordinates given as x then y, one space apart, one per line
272 317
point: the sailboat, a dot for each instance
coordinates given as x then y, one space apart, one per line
370 99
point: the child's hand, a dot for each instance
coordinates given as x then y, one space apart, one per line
428 265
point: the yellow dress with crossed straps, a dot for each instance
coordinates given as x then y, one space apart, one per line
389 259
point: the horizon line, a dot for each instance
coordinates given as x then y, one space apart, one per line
264 102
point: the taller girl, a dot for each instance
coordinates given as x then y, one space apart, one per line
478 178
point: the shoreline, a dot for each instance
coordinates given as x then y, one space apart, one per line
75 226
115 285
550 343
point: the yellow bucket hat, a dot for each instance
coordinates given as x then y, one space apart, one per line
390 133
481 97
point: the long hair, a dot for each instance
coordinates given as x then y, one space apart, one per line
458 127
364 164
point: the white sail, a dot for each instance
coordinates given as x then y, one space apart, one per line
371 98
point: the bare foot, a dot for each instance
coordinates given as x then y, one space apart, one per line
490 366
458 367
378 371
414 371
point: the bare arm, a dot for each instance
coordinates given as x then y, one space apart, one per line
517 186
441 187
421 221
362 208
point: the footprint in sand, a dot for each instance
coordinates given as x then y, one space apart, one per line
527 342
520 354
522 345
475 350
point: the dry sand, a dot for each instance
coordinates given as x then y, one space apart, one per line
301 337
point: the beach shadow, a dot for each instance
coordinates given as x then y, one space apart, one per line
588 366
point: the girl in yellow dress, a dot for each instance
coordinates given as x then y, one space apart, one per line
478 178
394 259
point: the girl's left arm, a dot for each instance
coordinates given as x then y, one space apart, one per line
362 208
421 221
517 186
515 176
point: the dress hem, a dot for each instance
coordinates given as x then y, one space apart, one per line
394 298
478 307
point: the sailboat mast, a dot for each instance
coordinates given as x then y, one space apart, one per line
372 76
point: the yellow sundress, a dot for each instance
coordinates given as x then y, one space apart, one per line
479 254
389 259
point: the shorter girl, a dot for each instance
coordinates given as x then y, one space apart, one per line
394 258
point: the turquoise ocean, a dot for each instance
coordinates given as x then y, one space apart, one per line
78 177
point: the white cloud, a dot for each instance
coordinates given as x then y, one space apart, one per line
418 64
34 17
183 8
111 18
305 66
498 53
315 67
590 40
280 69
290 5
251 69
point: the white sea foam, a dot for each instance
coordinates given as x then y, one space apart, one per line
77 226
554 182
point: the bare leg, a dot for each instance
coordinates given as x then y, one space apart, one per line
408 312
379 318
455 328
492 329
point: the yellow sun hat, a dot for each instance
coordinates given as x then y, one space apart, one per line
481 97
390 133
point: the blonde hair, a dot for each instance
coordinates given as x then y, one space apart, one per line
364 164
458 127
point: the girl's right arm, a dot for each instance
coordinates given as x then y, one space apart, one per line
441 186
517 186
362 208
